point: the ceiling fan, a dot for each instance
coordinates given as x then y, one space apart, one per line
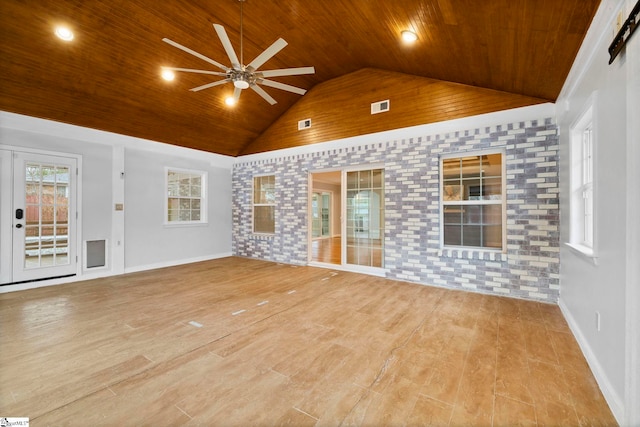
244 76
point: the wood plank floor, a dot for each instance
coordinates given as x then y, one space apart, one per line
282 345
326 250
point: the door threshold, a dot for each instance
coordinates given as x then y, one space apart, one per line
37 280
372 271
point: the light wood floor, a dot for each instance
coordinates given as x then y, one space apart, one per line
326 250
284 345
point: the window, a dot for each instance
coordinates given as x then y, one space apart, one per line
186 197
587 186
582 194
472 197
264 204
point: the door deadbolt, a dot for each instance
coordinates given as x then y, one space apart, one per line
19 213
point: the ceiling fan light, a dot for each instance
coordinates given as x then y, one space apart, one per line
64 33
230 101
241 84
168 75
409 36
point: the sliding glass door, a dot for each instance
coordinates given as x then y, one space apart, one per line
365 217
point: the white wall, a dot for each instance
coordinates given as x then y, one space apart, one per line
150 243
96 173
600 284
137 238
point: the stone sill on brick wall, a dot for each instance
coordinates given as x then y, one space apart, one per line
257 236
479 254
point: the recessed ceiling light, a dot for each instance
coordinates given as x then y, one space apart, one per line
409 36
64 33
230 101
168 75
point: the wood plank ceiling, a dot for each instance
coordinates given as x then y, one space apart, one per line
108 77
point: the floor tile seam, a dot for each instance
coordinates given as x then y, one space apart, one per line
366 391
538 406
183 411
426 396
510 397
551 342
305 413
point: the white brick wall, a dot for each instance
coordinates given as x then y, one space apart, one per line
529 268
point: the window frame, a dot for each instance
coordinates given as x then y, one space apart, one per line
583 174
203 197
502 202
254 205
587 186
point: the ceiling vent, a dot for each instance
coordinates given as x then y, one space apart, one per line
380 107
304 124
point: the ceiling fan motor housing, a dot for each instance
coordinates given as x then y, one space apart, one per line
241 79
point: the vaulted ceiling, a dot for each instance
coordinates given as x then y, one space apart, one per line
472 56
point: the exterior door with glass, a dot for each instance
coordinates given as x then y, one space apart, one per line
43 216
364 243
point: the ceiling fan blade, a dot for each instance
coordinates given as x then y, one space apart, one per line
236 94
276 47
226 43
194 53
288 72
257 89
189 70
282 86
208 85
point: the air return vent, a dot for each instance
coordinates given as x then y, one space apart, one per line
304 124
380 107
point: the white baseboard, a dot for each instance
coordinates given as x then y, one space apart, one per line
106 273
176 262
614 401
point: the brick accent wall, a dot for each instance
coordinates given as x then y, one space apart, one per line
528 268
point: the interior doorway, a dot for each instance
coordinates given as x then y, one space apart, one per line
321 214
325 217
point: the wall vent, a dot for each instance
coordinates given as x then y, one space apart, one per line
96 253
304 124
379 107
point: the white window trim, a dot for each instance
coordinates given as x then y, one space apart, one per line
586 119
203 198
254 205
502 202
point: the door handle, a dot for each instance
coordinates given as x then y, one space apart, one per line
19 213
18 225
